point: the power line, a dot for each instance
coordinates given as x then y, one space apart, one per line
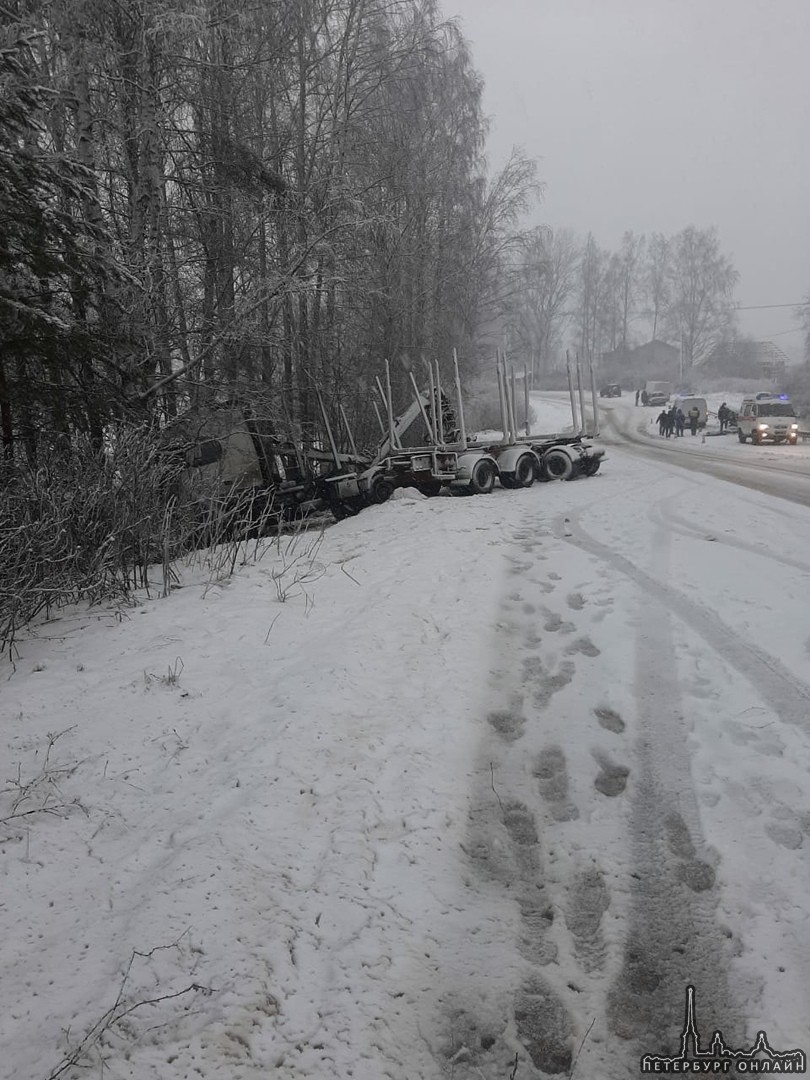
762 307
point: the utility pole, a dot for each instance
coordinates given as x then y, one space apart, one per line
681 360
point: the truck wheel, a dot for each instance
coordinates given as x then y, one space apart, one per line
591 468
482 480
558 465
507 480
381 490
524 471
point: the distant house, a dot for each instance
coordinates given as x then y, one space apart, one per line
746 359
657 355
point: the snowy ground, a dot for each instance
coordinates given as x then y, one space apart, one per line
460 784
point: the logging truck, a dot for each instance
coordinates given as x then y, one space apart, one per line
425 447
472 465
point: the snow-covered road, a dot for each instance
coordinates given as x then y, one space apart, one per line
777 470
466 788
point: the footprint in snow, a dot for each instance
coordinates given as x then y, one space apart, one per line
549 685
788 829
554 624
544 1027
551 772
696 874
508 723
609 719
612 778
585 646
519 823
588 900
536 917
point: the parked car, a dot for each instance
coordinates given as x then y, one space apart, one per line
658 393
610 390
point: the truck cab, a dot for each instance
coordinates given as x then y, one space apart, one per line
767 417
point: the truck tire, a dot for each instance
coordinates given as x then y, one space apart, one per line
591 467
381 490
482 479
524 471
557 465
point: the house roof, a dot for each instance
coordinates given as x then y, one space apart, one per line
758 352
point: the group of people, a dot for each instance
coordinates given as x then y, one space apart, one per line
672 421
643 395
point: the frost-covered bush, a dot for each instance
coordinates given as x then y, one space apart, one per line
84 525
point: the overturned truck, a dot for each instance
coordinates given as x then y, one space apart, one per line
257 478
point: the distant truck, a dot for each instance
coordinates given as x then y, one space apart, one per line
767 417
658 393
610 390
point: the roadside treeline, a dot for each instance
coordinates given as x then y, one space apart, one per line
199 197
568 289
202 200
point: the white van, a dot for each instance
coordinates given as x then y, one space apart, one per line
686 403
767 418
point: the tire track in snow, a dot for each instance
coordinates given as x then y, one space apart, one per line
665 822
673 938
787 695
692 532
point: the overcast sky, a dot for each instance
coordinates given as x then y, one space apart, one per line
656 114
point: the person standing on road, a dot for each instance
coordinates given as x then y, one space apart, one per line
671 422
694 416
680 420
722 416
637 394
662 422
644 398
